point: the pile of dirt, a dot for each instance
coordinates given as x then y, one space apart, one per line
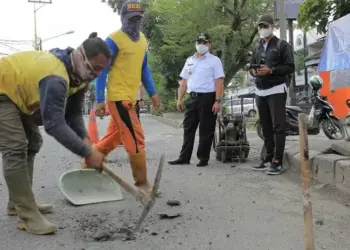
102 228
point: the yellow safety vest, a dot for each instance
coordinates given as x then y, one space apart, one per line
125 74
21 73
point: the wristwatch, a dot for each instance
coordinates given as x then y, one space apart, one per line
218 100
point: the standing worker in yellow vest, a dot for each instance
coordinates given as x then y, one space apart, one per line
128 68
53 82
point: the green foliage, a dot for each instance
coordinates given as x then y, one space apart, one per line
170 106
318 13
232 25
239 80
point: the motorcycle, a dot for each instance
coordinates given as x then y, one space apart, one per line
319 115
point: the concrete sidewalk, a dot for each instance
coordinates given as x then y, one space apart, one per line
327 165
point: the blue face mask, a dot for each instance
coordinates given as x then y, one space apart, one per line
132 28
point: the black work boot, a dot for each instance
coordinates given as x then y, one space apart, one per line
202 163
178 162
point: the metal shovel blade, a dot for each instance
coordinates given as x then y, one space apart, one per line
156 184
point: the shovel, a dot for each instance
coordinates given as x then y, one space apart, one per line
146 200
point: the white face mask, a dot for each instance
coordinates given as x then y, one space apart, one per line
202 49
265 33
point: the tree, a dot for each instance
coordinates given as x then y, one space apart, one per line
171 27
239 80
232 25
318 13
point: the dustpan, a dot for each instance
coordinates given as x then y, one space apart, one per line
87 186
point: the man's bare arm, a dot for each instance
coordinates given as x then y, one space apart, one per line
219 87
182 89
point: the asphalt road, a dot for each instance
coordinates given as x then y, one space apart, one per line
222 207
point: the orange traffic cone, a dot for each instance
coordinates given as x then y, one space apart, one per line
92 128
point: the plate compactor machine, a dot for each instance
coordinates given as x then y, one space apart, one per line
230 142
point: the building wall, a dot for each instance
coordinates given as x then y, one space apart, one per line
314 41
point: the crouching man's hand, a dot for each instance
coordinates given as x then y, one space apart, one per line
95 159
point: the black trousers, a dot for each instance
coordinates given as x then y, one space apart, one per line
272 116
198 112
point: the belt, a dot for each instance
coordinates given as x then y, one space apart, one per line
194 94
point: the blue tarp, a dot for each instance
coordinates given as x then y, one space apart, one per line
335 56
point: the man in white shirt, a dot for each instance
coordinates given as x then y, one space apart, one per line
276 60
202 78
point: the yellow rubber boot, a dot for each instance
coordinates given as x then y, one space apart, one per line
22 196
43 208
139 172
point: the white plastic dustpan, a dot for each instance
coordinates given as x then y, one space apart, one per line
87 186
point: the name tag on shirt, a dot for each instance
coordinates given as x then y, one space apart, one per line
190 66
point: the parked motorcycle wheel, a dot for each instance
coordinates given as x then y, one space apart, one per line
331 127
259 131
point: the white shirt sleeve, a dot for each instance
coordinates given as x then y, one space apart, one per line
184 73
218 69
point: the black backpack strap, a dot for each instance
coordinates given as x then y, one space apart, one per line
288 77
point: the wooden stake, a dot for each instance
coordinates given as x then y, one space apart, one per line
306 182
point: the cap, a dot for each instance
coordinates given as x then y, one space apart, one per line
131 8
266 19
203 36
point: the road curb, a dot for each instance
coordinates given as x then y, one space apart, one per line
178 124
168 121
331 169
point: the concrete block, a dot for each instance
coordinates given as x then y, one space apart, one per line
342 172
296 161
323 167
288 155
342 148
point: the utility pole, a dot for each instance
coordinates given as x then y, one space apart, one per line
292 87
306 77
35 30
281 14
43 3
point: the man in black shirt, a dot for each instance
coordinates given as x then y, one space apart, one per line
276 60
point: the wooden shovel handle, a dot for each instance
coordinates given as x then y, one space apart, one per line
130 188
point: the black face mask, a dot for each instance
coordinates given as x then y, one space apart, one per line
132 27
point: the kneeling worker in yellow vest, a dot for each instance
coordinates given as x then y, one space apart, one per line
55 83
